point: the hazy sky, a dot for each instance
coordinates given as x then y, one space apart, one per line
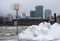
6 6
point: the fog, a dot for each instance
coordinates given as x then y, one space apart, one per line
6 6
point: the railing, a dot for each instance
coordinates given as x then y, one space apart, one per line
24 22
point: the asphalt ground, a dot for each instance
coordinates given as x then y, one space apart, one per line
8 33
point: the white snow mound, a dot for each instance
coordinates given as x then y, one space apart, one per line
43 31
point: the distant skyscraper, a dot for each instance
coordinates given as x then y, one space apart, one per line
32 14
47 13
10 17
1 18
39 11
23 15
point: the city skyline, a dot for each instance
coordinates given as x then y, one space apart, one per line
28 5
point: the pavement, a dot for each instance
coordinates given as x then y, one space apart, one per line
8 33
8 38
12 38
6 30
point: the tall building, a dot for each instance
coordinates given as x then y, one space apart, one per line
32 14
1 18
39 11
47 13
10 17
23 15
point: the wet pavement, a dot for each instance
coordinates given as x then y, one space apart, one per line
8 38
5 35
11 38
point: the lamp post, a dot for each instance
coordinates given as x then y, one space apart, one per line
16 8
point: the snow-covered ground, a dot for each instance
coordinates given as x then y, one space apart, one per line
42 32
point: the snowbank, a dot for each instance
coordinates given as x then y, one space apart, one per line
43 31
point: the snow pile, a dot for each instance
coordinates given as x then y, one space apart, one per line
43 31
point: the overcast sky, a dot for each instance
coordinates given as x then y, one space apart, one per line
6 6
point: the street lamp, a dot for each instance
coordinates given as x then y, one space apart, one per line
16 8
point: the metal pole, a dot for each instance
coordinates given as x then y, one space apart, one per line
17 22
